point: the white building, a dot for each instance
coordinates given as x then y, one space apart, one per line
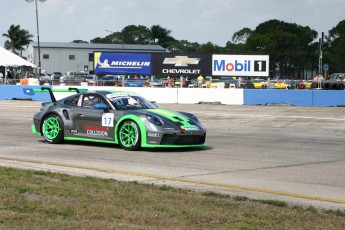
63 57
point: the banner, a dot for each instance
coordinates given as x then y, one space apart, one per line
176 64
122 63
240 65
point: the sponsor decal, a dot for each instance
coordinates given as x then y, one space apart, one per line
73 131
108 119
181 71
240 65
96 130
153 134
181 61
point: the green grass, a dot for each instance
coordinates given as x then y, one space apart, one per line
43 200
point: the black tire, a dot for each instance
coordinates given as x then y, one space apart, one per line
129 135
334 86
52 129
340 86
327 85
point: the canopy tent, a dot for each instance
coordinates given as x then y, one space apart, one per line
9 59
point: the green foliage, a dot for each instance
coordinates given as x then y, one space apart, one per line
136 35
17 38
335 48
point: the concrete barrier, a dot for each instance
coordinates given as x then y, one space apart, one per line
278 96
22 92
196 95
294 97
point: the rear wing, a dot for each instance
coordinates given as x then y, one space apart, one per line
50 90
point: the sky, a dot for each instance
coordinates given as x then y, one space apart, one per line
199 21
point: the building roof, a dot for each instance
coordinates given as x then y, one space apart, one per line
9 59
100 47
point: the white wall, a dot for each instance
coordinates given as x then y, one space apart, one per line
174 95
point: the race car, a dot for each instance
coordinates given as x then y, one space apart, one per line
117 117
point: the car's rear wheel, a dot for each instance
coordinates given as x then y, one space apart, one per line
129 135
52 129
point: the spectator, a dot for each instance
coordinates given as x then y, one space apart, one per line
200 80
1 78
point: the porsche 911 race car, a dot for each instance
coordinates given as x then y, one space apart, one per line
116 117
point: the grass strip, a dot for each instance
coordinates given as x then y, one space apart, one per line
45 200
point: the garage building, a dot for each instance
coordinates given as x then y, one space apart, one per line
64 57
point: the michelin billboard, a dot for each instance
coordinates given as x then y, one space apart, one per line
122 63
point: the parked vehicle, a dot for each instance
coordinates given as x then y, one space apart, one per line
260 84
69 76
44 78
90 79
56 77
109 80
157 82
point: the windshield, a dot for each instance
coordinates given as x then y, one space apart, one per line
130 102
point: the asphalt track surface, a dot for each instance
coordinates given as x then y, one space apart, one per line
292 154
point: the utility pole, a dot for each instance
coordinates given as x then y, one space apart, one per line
320 53
38 37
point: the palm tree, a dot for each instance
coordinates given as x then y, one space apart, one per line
162 35
17 38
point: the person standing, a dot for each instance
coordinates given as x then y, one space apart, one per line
200 80
1 78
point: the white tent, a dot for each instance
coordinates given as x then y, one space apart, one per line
9 59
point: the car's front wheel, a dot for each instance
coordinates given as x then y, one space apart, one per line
52 129
129 135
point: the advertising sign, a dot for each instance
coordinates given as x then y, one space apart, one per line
122 63
173 64
240 65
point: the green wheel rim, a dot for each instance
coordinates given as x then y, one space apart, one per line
51 128
128 135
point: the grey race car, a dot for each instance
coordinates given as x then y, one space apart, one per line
116 117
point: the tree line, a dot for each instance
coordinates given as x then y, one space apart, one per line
294 50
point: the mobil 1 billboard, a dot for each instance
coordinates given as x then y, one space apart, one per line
240 65
173 64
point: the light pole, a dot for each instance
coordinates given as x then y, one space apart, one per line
38 37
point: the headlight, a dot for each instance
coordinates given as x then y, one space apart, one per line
154 120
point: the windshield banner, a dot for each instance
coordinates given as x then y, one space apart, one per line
122 63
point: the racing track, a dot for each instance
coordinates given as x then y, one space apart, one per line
293 154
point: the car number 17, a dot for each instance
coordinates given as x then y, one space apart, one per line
108 119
